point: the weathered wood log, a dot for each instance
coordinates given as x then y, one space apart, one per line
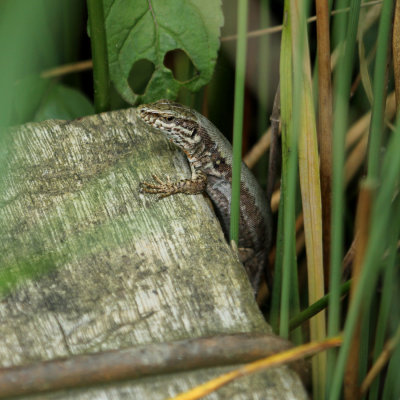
87 263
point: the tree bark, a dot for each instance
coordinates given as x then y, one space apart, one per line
88 263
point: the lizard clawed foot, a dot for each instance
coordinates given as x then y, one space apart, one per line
161 182
167 188
162 188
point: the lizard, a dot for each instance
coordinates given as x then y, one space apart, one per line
209 155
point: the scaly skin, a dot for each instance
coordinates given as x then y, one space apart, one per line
210 158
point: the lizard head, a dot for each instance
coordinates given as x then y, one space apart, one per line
177 122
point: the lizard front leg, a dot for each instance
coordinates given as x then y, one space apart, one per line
195 185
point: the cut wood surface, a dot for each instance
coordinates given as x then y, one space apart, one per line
88 263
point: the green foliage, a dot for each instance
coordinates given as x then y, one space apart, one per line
35 36
41 99
142 30
63 102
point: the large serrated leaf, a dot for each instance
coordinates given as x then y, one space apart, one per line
148 29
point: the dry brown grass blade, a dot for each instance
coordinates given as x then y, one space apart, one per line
311 197
382 360
325 125
261 147
351 389
278 28
67 69
277 359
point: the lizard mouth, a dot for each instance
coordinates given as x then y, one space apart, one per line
153 119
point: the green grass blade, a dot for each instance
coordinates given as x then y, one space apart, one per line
344 32
238 118
388 288
316 307
289 171
304 113
379 100
392 385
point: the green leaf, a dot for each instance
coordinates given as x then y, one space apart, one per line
147 30
62 102
36 99
27 94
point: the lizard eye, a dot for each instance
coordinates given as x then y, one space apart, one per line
170 118
217 163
